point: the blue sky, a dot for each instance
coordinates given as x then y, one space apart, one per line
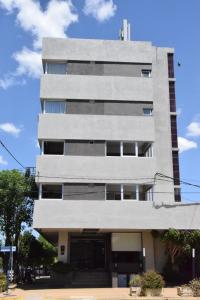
168 23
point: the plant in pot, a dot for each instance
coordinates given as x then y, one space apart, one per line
152 284
195 287
184 291
62 274
135 285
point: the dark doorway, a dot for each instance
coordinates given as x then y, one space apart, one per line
88 253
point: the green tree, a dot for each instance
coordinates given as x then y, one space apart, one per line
16 205
177 242
35 252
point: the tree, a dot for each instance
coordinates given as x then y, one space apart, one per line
16 205
178 242
35 252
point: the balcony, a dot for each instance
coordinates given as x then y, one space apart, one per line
99 127
60 168
96 87
113 215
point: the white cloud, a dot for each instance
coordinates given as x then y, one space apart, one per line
185 144
29 63
52 22
6 82
101 10
10 80
10 128
3 161
193 129
31 17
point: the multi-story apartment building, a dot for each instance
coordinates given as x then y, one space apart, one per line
107 127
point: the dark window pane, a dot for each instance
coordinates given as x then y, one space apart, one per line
129 149
54 148
113 149
129 192
52 191
113 192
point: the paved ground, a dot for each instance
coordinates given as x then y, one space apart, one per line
84 294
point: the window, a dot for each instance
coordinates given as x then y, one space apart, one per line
56 68
57 107
129 149
145 193
54 148
177 194
146 73
113 149
147 111
51 191
113 192
129 192
145 149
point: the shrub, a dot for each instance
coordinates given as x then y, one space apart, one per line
195 287
2 282
152 280
136 281
62 268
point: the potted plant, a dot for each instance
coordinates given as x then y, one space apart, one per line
152 284
135 285
195 287
184 291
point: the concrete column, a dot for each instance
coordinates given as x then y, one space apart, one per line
160 255
114 280
147 240
63 246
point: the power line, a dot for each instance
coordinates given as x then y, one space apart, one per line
11 154
181 181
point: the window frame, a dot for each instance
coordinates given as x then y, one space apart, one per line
54 100
42 147
106 148
40 191
54 62
137 192
147 115
146 70
122 149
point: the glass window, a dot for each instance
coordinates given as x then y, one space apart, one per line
145 149
145 193
113 192
129 192
51 191
147 111
54 148
56 68
146 73
113 149
57 107
129 149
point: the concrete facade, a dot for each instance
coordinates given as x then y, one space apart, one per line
105 92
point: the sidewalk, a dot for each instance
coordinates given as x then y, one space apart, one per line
85 294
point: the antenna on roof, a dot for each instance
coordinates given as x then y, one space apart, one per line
125 31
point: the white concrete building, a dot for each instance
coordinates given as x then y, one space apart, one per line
107 127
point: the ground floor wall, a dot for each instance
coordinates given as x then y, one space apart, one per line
124 253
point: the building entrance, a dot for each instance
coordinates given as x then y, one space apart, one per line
88 253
